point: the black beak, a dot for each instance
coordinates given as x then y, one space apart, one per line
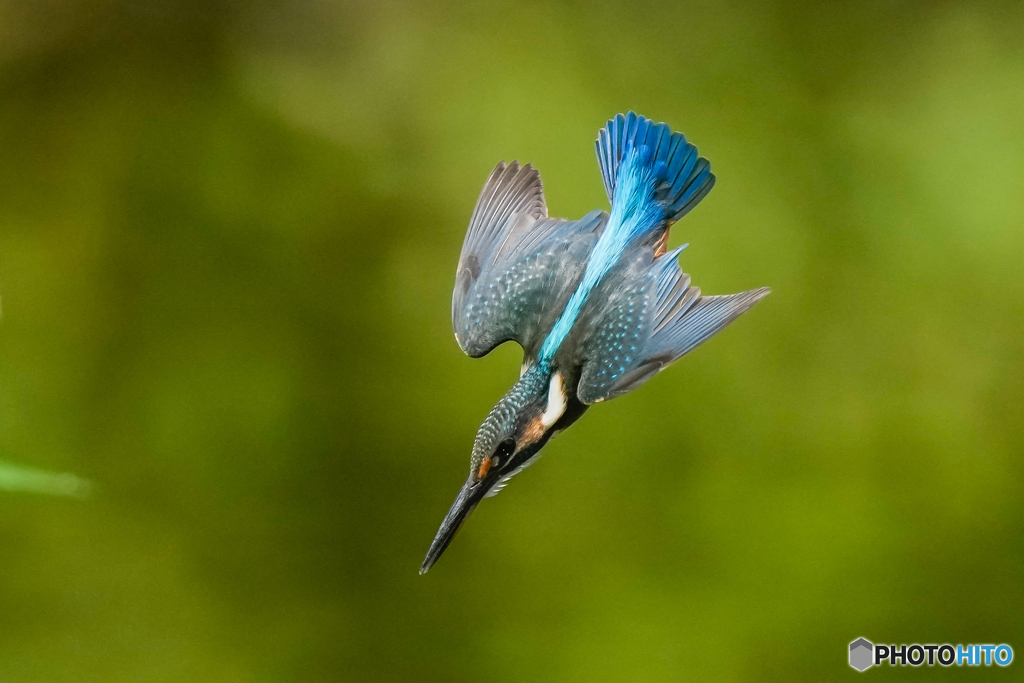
465 502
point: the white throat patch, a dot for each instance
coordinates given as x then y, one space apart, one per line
556 401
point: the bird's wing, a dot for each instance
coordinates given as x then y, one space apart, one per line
647 316
518 266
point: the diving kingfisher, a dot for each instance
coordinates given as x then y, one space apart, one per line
597 304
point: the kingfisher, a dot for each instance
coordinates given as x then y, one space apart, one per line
598 305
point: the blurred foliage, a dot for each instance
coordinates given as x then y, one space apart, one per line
228 235
17 478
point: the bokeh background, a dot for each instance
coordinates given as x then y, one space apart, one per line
228 236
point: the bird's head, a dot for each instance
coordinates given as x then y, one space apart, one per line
508 440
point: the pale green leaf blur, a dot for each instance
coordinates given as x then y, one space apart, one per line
228 237
27 479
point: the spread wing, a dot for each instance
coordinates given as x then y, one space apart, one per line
646 317
518 266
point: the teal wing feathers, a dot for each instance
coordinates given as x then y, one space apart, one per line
647 317
518 266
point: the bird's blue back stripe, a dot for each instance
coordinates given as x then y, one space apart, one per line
637 157
635 212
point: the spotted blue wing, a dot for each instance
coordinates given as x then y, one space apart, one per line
518 266
651 316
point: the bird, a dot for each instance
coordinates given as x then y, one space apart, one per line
599 305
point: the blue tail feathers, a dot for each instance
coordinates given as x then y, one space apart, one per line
684 178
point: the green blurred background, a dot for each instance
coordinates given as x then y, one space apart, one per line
228 236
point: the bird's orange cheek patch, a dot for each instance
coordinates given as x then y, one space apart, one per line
534 431
485 466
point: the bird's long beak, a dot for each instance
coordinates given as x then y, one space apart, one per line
468 497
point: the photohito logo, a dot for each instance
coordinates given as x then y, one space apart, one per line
864 654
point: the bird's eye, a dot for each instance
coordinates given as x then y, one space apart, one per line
505 449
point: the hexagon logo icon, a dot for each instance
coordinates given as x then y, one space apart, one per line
861 654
